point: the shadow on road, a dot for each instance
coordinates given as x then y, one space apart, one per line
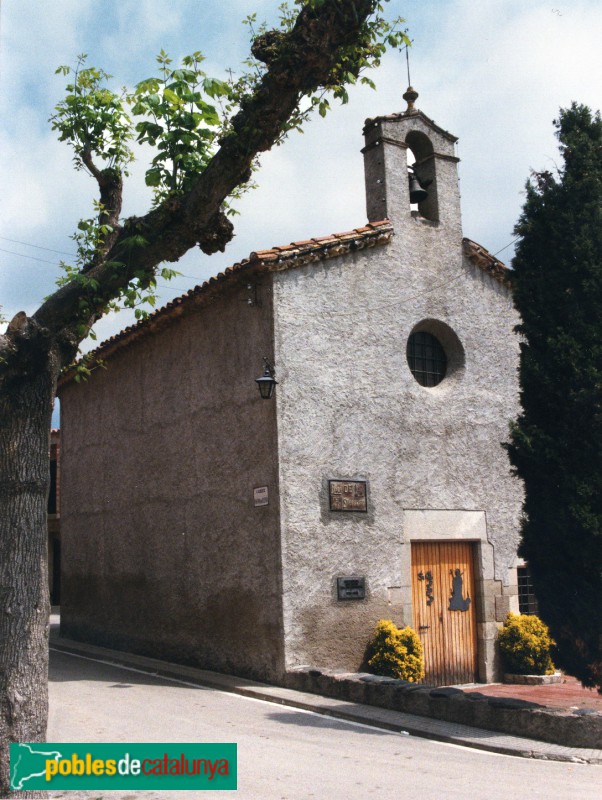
315 721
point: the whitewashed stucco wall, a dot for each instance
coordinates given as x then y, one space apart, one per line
349 407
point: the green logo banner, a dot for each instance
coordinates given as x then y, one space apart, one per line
84 766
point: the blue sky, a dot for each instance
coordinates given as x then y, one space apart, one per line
494 73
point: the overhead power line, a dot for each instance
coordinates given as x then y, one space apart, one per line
37 246
507 246
33 258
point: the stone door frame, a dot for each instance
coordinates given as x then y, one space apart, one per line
441 525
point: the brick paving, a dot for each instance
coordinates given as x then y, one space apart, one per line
569 694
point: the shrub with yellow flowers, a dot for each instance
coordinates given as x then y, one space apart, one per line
525 643
395 652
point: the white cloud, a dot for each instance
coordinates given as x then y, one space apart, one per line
36 38
494 73
40 194
507 67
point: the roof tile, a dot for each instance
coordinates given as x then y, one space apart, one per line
482 258
284 256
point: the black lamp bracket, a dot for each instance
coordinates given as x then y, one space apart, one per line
269 369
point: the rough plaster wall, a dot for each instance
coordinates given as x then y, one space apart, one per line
348 407
164 551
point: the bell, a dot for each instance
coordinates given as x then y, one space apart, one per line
417 193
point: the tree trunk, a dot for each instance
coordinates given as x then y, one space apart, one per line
25 414
328 43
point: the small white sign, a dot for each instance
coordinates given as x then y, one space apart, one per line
260 496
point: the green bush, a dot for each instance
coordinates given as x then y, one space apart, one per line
395 652
525 644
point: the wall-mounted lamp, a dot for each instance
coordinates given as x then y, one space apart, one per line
267 382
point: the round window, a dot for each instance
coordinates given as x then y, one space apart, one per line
426 358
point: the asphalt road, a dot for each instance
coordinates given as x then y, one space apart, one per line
285 753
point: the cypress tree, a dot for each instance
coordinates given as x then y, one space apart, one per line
556 444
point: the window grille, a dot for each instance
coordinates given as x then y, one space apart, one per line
426 358
527 602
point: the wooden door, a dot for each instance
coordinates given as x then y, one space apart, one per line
443 600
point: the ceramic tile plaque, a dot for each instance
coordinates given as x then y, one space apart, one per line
348 496
260 496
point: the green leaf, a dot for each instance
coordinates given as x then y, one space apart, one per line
171 97
216 88
153 177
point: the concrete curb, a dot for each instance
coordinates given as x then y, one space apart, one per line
349 710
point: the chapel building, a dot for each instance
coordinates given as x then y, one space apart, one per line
205 525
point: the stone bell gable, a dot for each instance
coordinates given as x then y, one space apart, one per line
390 140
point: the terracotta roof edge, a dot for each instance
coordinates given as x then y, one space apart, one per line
482 258
274 259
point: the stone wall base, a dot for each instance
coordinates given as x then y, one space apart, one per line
508 715
533 680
